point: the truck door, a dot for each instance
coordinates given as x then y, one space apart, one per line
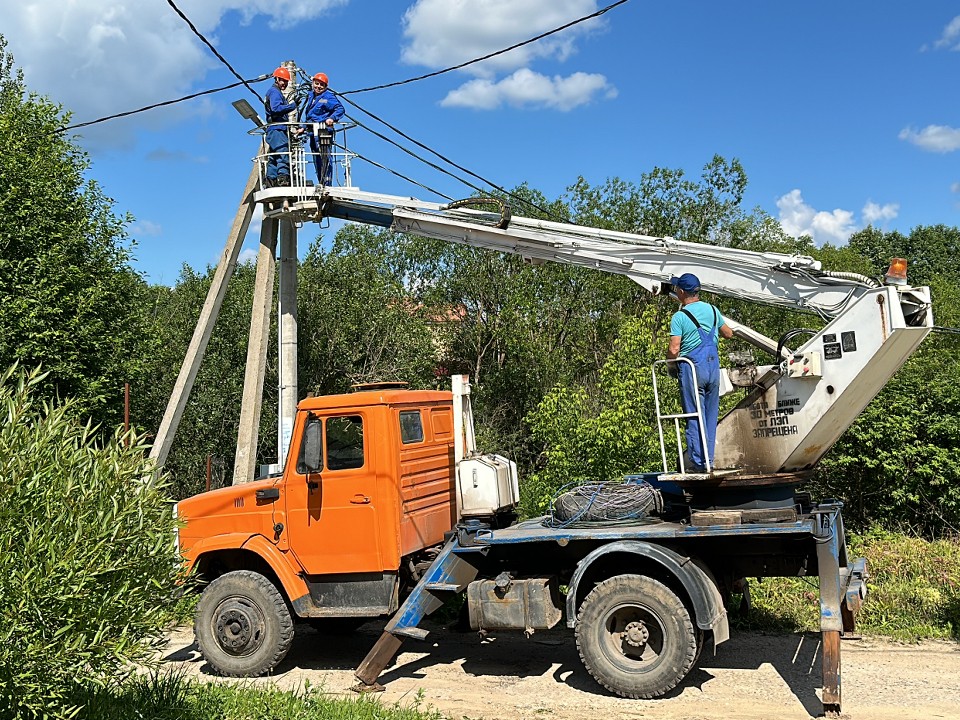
332 515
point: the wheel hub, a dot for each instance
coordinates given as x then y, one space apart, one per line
635 634
238 628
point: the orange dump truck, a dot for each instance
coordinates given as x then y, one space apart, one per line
360 510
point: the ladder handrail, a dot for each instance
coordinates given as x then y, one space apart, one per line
676 417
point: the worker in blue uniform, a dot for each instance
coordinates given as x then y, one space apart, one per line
322 109
278 139
694 331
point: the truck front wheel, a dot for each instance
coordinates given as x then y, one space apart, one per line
242 625
635 637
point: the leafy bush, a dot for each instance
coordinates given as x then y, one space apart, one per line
88 566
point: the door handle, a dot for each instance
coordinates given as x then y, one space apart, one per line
360 500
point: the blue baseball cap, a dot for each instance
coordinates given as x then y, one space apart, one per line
687 282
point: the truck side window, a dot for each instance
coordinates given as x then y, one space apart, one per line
344 442
411 427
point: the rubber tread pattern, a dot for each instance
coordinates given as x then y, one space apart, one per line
659 600
278 622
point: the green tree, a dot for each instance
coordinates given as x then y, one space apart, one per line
360 317
211 417
68 298
88 566
603 432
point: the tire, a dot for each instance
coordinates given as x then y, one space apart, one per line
635 637
242 625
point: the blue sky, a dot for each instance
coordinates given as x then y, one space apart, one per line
843 114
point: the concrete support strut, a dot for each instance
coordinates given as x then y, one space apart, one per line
208 318
244 464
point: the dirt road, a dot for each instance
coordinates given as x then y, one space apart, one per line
751 677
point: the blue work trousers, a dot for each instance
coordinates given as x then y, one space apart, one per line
706 359
278 161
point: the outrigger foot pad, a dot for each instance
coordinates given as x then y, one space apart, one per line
362 687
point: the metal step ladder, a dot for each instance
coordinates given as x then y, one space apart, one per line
677 417
448 575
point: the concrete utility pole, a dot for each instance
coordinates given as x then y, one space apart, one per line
288 337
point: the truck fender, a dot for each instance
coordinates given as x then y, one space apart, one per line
293 585
699 585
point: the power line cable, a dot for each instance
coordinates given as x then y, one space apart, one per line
394 172
230 67
448 161
206 42
413 154
598 13
162 104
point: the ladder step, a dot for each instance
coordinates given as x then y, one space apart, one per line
677 415
443 587
412 632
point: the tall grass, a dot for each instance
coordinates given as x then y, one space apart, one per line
171 696
913 591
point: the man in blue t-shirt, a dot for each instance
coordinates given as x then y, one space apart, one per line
694 330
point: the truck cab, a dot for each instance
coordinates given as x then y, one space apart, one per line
365 498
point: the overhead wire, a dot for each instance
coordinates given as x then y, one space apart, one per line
206 42
414 155
447 160
394 172
162 104
223 60
397 83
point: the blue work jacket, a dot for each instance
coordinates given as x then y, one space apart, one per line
276 106
322 107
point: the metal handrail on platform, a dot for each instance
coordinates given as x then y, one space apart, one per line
677 417
302 159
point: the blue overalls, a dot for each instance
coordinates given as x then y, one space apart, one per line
706 358
318 109
278 140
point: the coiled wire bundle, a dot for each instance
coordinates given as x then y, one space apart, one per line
606 504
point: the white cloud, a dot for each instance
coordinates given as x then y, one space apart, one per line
99 57
955 187
526 88
798 218
874 214
146 228
934 138
440 33
950 38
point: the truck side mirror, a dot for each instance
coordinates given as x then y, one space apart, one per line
311 448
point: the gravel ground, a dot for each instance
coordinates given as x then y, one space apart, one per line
752 676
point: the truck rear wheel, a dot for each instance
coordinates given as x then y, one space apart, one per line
635 637
242 625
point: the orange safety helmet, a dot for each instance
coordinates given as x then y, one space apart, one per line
282 72
322 77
